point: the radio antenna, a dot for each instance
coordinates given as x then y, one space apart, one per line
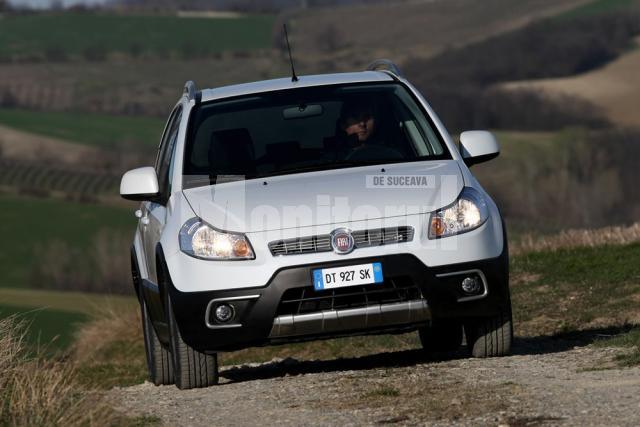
294 78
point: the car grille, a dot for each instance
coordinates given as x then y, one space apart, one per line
322 243
308 300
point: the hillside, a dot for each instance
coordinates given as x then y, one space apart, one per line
407 29
614 88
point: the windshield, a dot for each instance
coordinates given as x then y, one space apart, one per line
307 129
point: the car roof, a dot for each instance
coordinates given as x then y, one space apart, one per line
286 83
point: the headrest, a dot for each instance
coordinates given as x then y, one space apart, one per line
231 152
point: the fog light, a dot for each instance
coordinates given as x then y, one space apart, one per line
471 285
224 313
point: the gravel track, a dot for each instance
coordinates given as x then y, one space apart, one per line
546 382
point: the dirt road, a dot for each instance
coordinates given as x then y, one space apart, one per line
546 382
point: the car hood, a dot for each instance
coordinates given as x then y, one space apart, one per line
328 197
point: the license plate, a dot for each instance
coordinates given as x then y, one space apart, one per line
351 275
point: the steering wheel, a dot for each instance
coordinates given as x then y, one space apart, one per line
374 152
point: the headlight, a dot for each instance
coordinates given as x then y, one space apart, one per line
465 214
203 241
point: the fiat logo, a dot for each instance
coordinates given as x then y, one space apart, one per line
342 241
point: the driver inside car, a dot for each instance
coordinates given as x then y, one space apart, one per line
360 136
358 119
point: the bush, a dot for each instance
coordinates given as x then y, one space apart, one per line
103 268
55 54
96 53
478 108
586 179
135 50
8 99
330 39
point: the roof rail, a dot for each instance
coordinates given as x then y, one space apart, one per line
384 65
190 89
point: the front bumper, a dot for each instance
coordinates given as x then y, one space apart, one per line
260 319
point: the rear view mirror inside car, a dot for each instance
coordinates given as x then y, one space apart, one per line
301 111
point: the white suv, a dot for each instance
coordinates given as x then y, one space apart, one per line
333 205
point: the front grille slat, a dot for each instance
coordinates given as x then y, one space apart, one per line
306 300
362 291
322 243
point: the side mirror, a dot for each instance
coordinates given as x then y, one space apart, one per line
477 146
140 184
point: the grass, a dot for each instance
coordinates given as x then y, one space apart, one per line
383 391
629 339
571 289
584 266
37 390
86 128
50 330
110 351
26 223
71 34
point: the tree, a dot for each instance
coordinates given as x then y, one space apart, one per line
56 5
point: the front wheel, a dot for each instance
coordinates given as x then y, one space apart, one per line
192 369
490 337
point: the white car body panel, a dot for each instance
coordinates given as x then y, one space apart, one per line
326 197
193 275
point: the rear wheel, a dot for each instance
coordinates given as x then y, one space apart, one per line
159 361
490 337
158 358
441 336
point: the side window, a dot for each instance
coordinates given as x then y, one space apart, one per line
165 153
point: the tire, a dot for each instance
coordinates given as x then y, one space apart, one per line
192 369
441 337
490 337
158 358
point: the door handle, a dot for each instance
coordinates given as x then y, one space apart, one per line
144 219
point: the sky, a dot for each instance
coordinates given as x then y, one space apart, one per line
47 3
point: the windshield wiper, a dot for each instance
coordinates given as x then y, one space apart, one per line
309 168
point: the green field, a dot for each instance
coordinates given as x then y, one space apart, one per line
26 223
53 317
93 305
57 36
86 128
47 330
